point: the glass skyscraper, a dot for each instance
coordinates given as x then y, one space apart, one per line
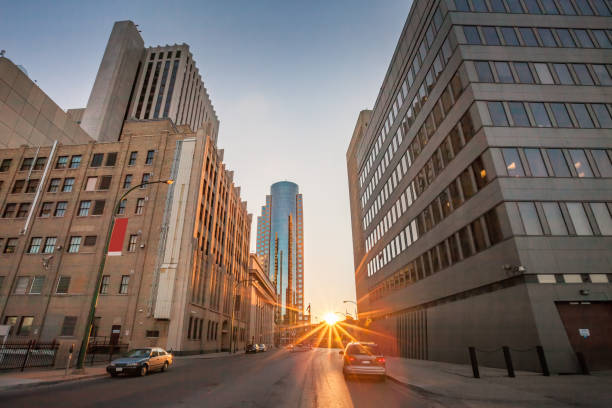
280 243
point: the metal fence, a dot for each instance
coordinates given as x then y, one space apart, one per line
100 352
25 355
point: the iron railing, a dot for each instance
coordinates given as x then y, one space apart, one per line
24 355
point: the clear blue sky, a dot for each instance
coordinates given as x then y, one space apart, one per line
287 79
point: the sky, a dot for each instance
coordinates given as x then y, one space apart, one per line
287 80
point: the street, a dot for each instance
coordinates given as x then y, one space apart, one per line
271 379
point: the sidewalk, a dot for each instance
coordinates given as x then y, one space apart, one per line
35 378
446 382
210 355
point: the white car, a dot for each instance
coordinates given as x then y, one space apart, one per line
365 359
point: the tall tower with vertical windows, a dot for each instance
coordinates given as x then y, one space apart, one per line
280 242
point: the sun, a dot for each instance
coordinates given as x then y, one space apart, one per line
330 319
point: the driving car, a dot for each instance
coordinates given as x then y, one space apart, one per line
362 358
263 347
251 348
141 361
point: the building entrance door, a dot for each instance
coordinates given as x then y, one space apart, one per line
589 329
115 333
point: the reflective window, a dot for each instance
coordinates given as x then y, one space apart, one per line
498 115
579 219
549 7
601 8
602 114
529 38
566 7
544 74
603 162
503 72
555 218
536 163
484 71
479 5
603 218
558 163
602 38
582 115
584 7
539 114
602 74
565 37
509 36
518 113
532 7
513 162
529 216
582 72
547 38
584 39
524 73
490 35
497 6
561 116
581 163
565 78
514 6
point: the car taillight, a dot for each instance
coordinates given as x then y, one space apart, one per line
380 360
350 359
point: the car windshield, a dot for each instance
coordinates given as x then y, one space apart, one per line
139 353
369 349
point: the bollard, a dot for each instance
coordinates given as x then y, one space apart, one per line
508 359
543 363
582 363
474 362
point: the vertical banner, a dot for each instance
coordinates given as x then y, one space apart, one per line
117 237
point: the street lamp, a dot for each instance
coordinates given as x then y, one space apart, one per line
236 284
94 299
355 303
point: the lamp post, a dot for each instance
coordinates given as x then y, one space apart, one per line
355 303
94 299
236 284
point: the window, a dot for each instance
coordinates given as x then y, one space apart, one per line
466 184
50 243
91 184
9 210
555 218
25 327
111 159
96 160
565 78
509 36
105 284
471 35
37 285
582 72
105 182
567 7
584 39
490 35
498 114
21 286
140 206
602 74
518 113
536 164
599 278
23 210
132 243
579 219
121 207
546 278
601 8
539 114
145 179
35 244
581 163
5 165
75 161
32 186
63 284
98 207
464 241
90 240
584 8
547 38
602 114
123 288
68 183
478 235
529 216
529 38
603 218
62 162
503 72
39 164
513 162
523 72
561 116
497 6
603 162
558 163
514 6
75 244
544 74
54 185
60 208
566 38
127 181
11 245
84 207
150 157
68 326
132 159
602 38
18 186
484 71
549 7
152 333
26 164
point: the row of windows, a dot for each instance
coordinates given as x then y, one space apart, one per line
33 285
543 73
58 209
477 236
105 285
402 92
440 109
457 138
555 7
537 37
74 161
169 55
574 278
550 114
563 218
469 182
555 162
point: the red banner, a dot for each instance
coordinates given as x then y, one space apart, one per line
117 237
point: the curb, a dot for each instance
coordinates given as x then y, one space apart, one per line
419 389
51 382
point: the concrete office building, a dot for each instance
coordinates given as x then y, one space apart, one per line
280 243
481 185
262 304
186 245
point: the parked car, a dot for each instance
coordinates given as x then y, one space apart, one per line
252 348
360 358
141 361
263 347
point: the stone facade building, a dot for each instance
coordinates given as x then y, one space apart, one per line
480 186
262 304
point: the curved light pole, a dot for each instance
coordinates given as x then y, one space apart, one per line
236 284
355 303
94 299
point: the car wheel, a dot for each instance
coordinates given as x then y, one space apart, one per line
143 371
113 374
164 367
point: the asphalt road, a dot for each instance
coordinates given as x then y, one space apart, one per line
271 379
